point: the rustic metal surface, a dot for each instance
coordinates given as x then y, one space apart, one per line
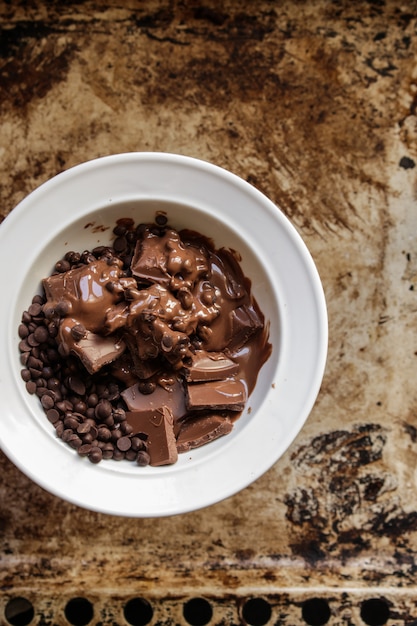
315 104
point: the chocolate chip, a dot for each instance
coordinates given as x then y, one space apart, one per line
92 400
87 438
64 406
78 332
95 455
103 409
62 308
41 334
74 441
119 415
48 311
131 455
83 428
62 266
24 346
119 230
23 331
53 331
118 455
59 428
80 407
76 385
31 387
85 449
109 420
116 435
107 451
24 357
167 342
35 309
103 434
146 387
161 219
35 363
26 317
186 298
67 433
87 257
53 383
25 374
52 415
111 286
126 428
143 458
93 431
72 257
124 443
120 244
47 402
71 422
47 372
137 444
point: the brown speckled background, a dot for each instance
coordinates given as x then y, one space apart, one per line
315 103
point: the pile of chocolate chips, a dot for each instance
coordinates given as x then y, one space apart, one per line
141 350
85 410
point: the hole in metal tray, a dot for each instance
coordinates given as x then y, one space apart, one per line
138 612
331 609
19 612
79 611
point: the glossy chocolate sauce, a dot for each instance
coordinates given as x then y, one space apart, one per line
173 321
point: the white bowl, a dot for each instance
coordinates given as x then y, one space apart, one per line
77 210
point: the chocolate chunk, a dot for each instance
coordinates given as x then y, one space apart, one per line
171 397
93 350
158 427
206 366
198 431
142 368
83 292
245 322
162 257
228 395
149 262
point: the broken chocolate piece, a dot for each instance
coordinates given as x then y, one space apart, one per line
82 292
93 350
171 397
227 395
245 322
164 259
156 428
206 366
198 431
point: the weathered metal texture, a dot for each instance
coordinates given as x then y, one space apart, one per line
315 104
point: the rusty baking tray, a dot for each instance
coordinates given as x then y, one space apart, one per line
315 104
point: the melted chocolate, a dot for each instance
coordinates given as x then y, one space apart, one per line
177 326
